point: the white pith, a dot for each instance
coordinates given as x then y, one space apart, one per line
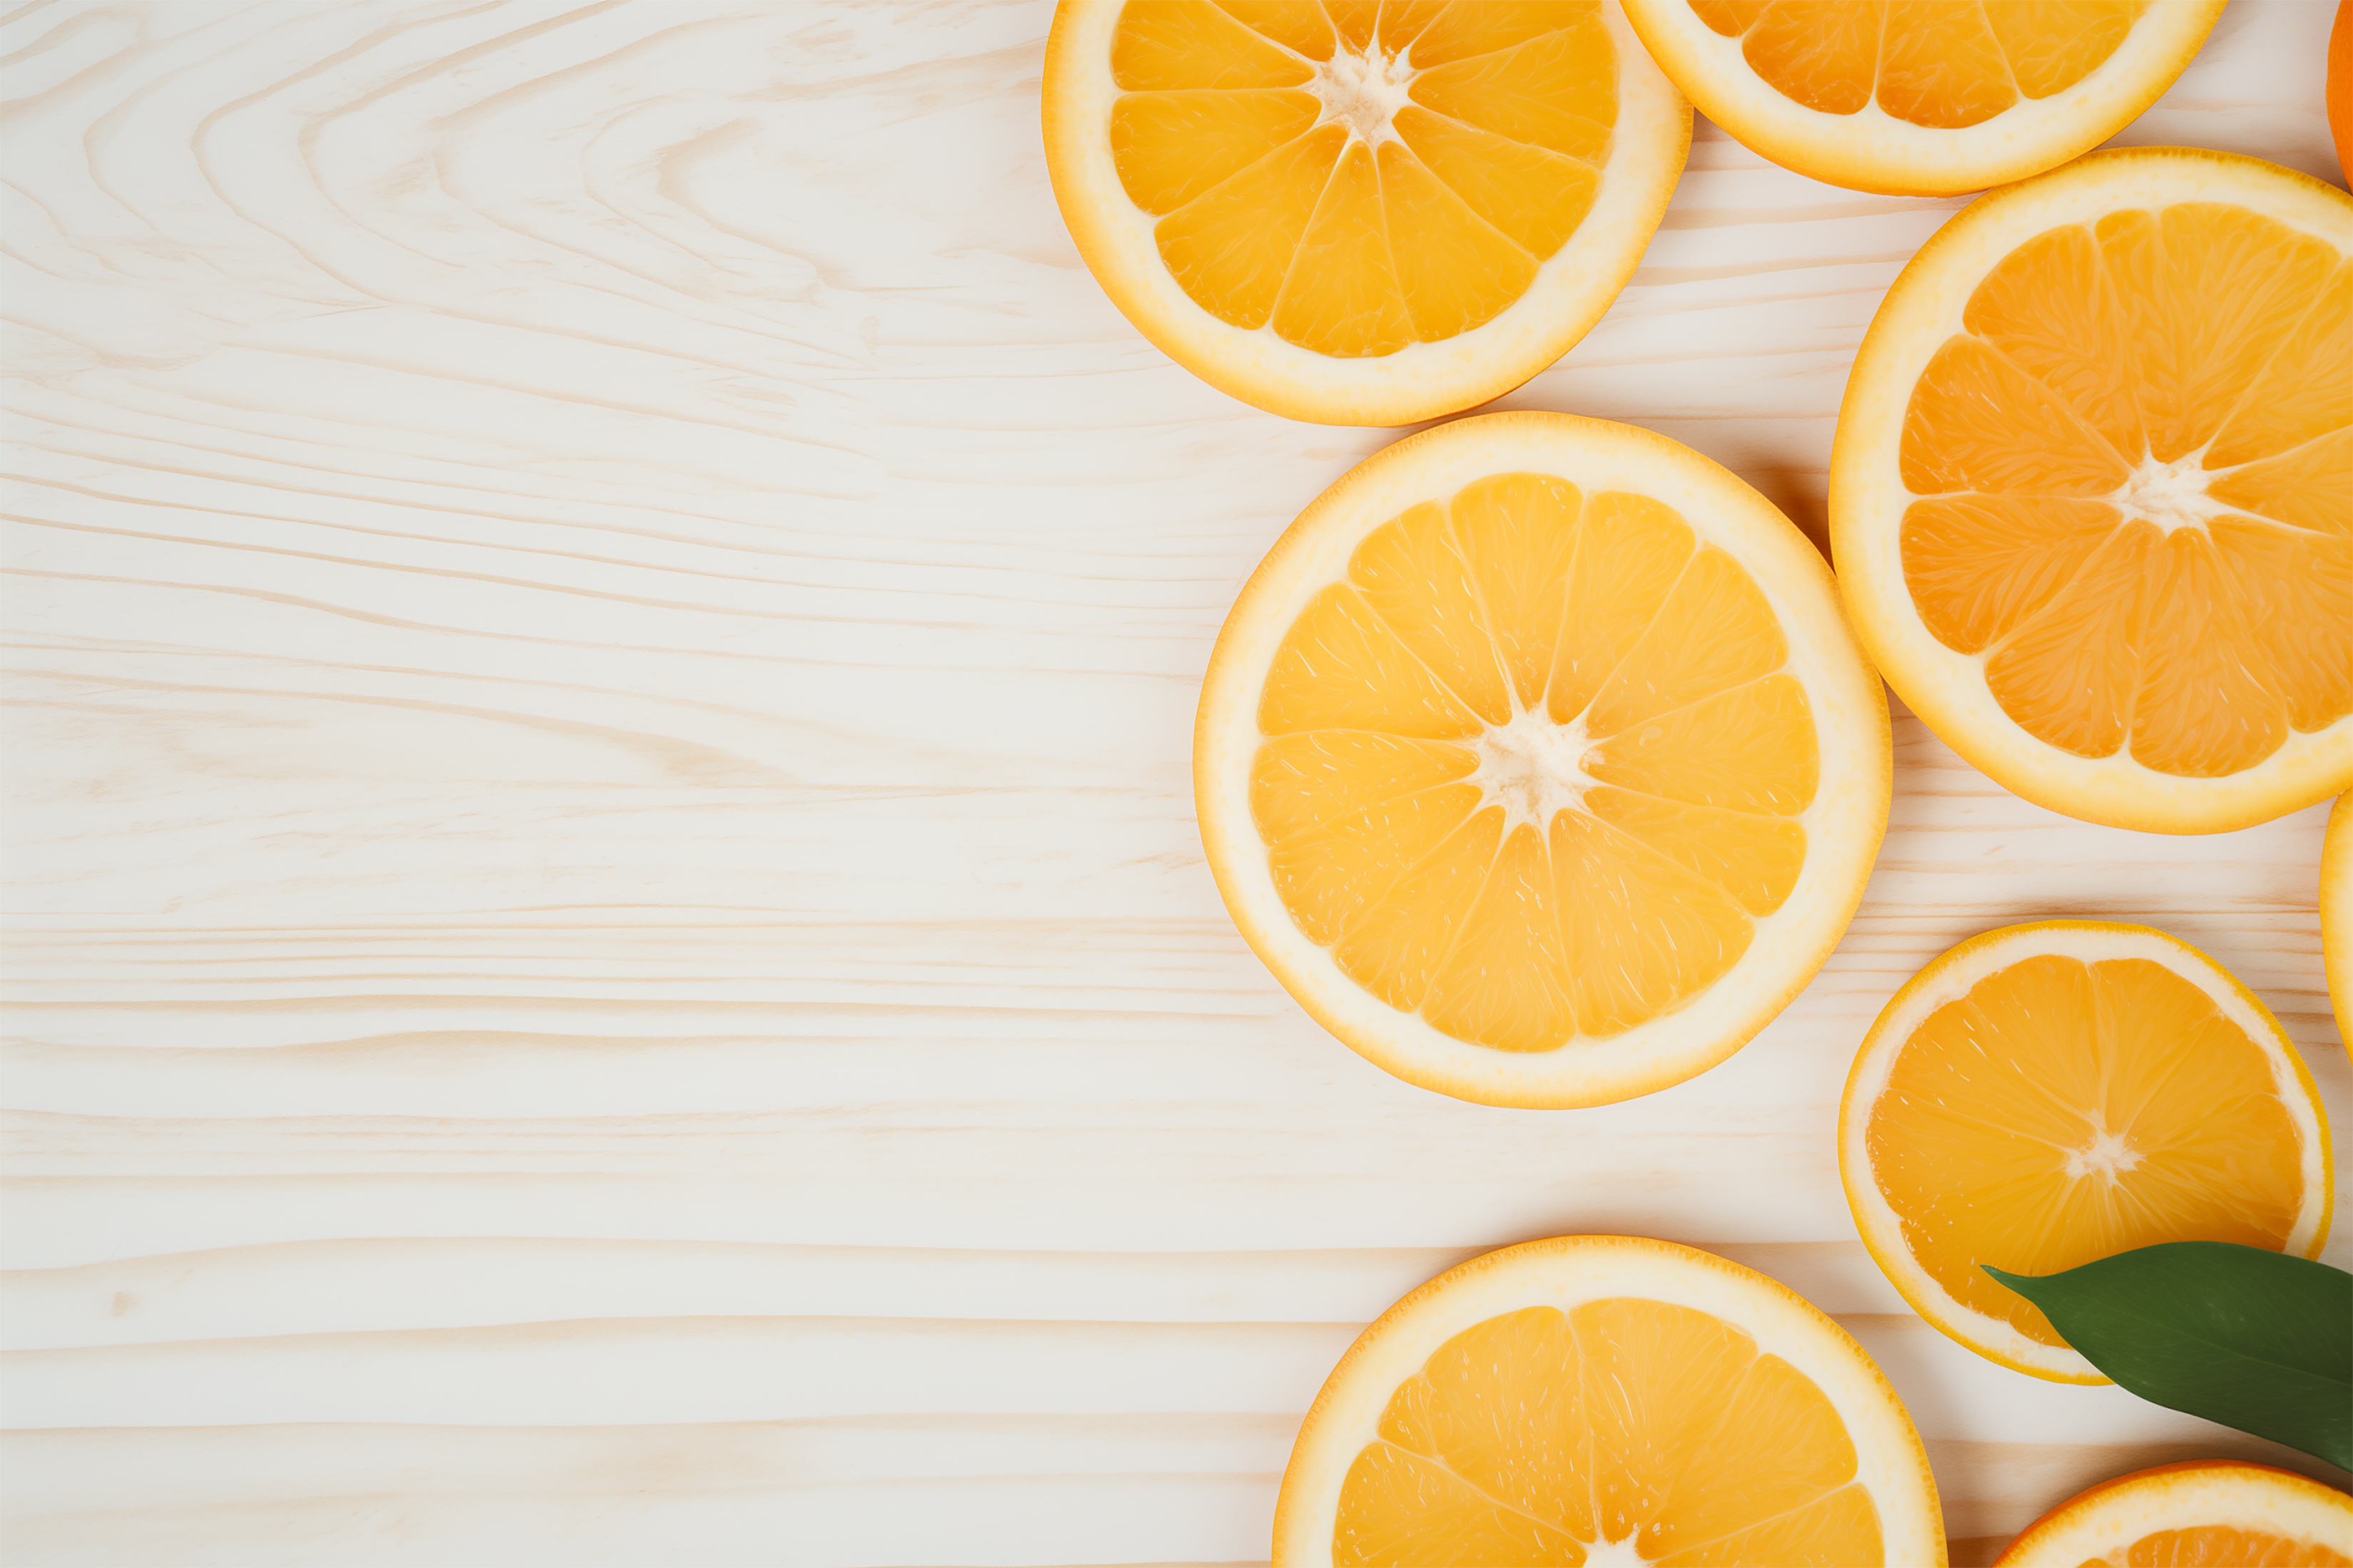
2109 1154
1362 91
2170 495
1565 1273
1532 767
1950 977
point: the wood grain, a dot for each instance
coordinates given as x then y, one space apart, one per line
610 964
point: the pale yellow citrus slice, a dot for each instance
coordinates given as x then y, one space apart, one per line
1923 97
1604 1400
2209 1513
2337 915
1363 212
2091 491
1536 761
2048 1095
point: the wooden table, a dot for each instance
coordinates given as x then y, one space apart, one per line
613 965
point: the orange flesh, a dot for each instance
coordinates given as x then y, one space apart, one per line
2219 1546
1529 1438
1941 63
2063 1112
2109 614
1342 246
1601 627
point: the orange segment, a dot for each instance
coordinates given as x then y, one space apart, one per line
1455 269
1753 858
1518 533
1506 983
2052 45
1299 26
1173 44
2049 1095
2047 309
2069 675
1532 1452
1396 947
1979 565
2306 390
1713 630
2309 487
1823 54
1340 667
1302 784
1333 880
2200 710
1642 932
1978 422
1232 246
1557 90
1173 146
2217 1544
1630 552
2210 298
2296 599
1939 66
1342 296
1532 196
1415 579
1749 749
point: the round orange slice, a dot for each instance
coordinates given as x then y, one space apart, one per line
1536 763
1366 212
2048 1095
2091 491
1606 1400
1923 97
2337 915
2204 1514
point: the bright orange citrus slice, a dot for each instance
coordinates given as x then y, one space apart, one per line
1363 212
2337 915
1536 761
2048 1095
2092 492
1923 97
2212 1513
1603 1399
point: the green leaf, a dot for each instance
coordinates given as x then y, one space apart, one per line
2252 1339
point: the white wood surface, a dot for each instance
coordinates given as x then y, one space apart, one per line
612 965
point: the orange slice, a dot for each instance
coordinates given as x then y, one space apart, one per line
2208 1513
2091 491
1606 1400
2052 1094
2337 915
1536 761
1365 213
1923 97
